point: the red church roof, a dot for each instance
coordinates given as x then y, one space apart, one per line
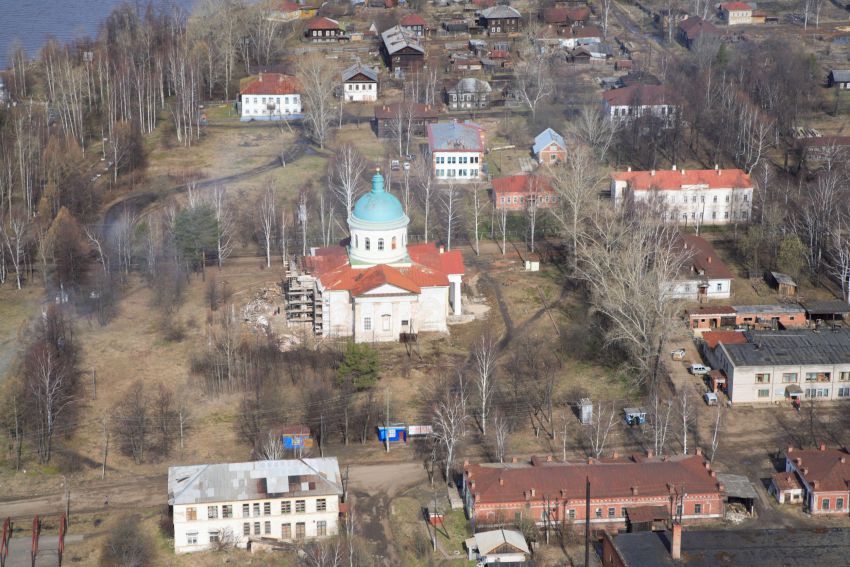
429 268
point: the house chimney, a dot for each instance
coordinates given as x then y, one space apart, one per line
698 451
590 460
683 171
478 498
652 172
709 259
790 450
798 461
634 490
532 491
548 458
261 77
442 249
822 447
615 455
650 453
707 466
815 484
713 474
805 471
676 542
513 459
674 167
465 463
629 169
720 487
717 168
843 459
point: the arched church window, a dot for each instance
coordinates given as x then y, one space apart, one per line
356 242
393 245
368 245
380 244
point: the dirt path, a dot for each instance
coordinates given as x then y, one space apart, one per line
373 488
137 202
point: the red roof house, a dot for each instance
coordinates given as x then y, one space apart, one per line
516 191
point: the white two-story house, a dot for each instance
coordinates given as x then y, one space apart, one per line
456 150
270 96
692 197
360 84
235 503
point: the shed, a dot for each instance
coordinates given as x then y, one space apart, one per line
738 488
647 518
296 437
532 262
786 487
392 433
831 310
503 547
783 283
585 410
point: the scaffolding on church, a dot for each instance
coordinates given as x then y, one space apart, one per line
303 300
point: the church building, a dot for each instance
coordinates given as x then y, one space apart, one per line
378 286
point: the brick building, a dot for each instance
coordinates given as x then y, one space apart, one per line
515 192
825 478
502 494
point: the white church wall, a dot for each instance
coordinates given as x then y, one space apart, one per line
432 310
339 319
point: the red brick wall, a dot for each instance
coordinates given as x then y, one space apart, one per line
610 557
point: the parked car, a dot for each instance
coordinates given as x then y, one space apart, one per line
678 354
710 398
395 165
634 416
407 166
699 369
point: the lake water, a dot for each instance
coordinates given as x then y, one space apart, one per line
33 21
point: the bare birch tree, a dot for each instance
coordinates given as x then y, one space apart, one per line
221 207
318 78
449 427
576 185
449 203
532 75
596 130
503 228
501 433
686 411
599 428
349 167
484 360
425 184
15 238
477 208
267 221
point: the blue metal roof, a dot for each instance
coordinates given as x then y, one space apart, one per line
378 205
545 138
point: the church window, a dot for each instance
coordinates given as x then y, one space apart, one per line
385 322
356 242
380 244
393 245
367 323
368 245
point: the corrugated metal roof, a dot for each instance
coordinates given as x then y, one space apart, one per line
455 136
775 348
500 12
397 38
356 69
486 542
194 484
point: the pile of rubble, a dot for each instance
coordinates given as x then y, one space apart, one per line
266 305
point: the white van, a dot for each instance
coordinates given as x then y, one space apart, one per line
699 369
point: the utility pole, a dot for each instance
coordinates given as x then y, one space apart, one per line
587 523
387 421
434 536
106 448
